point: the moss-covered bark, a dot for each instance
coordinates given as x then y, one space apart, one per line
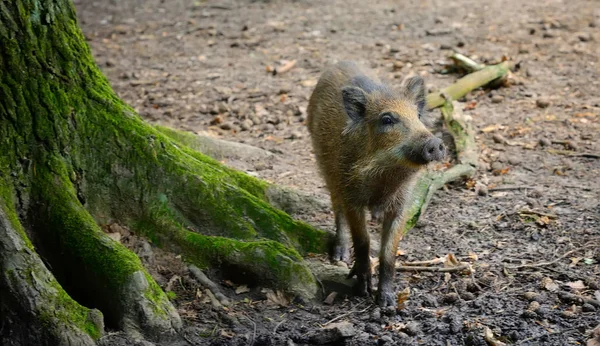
75 158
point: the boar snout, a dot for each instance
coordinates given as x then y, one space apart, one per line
433 150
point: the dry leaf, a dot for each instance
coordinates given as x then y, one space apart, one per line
574 261
488 335
576 285
227 334
491 128
242 289
400 252
447 277
451 261
595 337
472 256
278 298
543 221
330 298
403 297
549 285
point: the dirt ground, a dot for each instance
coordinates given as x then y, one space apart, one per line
201 66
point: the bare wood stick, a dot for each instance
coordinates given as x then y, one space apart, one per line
573 153
467 84
424 263
206 282
509 188
535 212
466 63
459 268
346 314
283 69
543 264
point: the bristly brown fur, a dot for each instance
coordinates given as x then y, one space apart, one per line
366 164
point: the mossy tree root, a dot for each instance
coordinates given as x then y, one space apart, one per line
33 305
75 158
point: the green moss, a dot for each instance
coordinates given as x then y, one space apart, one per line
171 295
8 206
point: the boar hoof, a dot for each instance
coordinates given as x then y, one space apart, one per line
387 299
341 252
362 287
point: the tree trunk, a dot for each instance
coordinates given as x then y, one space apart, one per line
74 159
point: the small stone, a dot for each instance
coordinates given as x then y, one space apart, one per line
226 126
568 314
398 65
467 296
529 314
376 315
497 98
545 142
451 298
584 36
548 34
588 308
542 103
333 333
498 138
295 135
482 190
514 160
246 125
531 296
533 306
497 166
445 46
268 127
411 328
385 340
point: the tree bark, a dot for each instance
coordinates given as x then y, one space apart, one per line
74 159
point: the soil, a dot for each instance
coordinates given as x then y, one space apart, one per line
202 66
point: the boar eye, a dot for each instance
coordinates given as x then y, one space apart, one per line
387 119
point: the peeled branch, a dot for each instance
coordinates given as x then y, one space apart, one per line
467 84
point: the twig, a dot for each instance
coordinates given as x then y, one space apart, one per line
468 83
206 282
466 63
277 326
434 269
346 314
283 69
573 153
534 212
543 264
424 263
253 335
509 188
526 340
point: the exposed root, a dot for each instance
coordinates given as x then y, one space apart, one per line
206 282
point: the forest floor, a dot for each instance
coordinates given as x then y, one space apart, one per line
201 66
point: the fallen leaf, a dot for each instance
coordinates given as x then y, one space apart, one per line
543 221
576 285
491 128
472 256
549 285
588 261
400 252
574 261
242 289
227 334
403 297
330 298
488 335
451 261
584 114
278 298
228 283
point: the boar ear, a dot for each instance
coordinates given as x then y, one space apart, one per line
355 102
415 90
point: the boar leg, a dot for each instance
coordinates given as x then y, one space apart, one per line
341 247
361 241
391 234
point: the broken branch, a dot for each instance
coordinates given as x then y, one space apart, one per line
467 84
463 266
543 264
